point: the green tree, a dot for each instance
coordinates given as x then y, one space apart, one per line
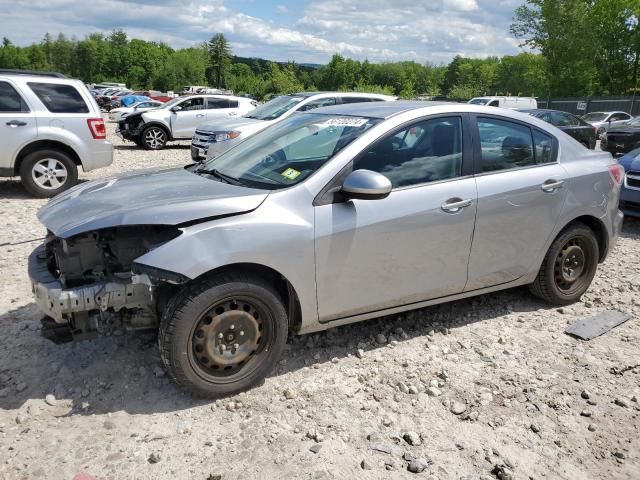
219 58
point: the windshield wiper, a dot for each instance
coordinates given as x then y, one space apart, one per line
222 176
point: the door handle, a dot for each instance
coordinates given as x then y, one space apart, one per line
552 185
16 123
199 115
454 205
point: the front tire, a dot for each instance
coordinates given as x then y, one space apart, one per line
154 138
46 173
223 334
569 266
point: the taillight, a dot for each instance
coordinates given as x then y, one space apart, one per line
97 128
617 173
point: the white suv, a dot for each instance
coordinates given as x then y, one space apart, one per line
49 126
178 118
213 138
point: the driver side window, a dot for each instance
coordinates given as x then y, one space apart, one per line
426 151
192 104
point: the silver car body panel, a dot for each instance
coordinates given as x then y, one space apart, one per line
365 258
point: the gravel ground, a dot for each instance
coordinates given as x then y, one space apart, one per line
483 388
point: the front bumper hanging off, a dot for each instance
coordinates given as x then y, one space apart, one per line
61 303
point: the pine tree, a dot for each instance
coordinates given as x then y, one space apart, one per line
219 58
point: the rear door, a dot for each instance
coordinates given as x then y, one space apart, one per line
520 197
221 108
411 246
17 125
620 118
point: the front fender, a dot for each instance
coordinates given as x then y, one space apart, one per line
273 236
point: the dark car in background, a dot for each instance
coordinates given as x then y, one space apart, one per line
622 138
630 194
582 131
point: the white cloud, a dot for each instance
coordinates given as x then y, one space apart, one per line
380 30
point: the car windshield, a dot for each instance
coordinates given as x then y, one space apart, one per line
288 152
275 108
479 101
594 117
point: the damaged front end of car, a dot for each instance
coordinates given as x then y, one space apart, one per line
89 284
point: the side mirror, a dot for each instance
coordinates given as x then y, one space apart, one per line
175 109
366 185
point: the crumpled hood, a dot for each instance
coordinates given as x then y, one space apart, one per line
150 197
229 124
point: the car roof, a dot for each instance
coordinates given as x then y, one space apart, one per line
379 109
341 94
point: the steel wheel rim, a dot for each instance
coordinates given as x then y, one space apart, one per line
154 138
49 173
227 339
571 266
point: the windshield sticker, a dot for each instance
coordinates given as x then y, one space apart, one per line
290 173
346 121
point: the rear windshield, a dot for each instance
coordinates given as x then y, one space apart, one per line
59 98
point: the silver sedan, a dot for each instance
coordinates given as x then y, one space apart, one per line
326 218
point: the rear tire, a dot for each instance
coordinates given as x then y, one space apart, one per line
569 266
46 173
223 334
154 138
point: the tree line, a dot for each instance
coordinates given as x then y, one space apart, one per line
587 47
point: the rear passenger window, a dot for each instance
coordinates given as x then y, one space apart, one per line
59 98
10 100
355 99
427 151
213 103
504 145
322 102
544 144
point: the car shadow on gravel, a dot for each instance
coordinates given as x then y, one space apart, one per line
133 146
124 372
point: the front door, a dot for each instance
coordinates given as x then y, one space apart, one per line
191 114
17 124
411 246
520 198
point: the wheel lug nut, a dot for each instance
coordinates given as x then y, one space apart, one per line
242 333
220 335
235 346
223 347
232 327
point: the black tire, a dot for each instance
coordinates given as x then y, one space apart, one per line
154 138
569 266
40 180
203 329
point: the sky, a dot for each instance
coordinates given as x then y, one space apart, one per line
307 31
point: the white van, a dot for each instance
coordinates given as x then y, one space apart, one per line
506 102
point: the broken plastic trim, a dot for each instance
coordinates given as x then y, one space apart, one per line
158 274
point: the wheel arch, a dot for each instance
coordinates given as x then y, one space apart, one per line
45 145
597 227
283 286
